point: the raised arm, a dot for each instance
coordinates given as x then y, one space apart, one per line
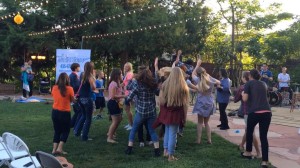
194 74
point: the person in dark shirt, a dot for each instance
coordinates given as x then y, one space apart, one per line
75 84
266 75
259 111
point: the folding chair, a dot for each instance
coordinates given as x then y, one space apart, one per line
4 156
47 160
19 152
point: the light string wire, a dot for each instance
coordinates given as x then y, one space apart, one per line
153 27
96 21
13 14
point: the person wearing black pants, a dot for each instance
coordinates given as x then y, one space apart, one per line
264 120
223 116
255 94
61 123
223 94
63 95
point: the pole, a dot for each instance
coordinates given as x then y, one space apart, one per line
81 42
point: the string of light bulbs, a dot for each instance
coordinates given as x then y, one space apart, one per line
13 14
96 21
153 27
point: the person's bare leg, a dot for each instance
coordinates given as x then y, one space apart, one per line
199 129
118 121
208 130
112 129
256 146
55 145
129 115
60 148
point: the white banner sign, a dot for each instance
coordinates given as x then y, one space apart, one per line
66 57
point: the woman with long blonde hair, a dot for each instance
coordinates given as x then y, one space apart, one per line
128 76
204 106
174 99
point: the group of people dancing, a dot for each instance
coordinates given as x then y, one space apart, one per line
172 86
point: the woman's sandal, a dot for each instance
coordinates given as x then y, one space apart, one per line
246 157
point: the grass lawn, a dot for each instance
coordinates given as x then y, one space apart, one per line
32 123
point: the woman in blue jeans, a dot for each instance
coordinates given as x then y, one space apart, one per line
86 102
174 100
145 89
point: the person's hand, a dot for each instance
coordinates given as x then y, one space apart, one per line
32 73
179 52
177 60
199 62
243 93
122 84
156 62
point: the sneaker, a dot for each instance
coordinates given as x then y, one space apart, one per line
128 151
156 152
150 143
126 126
23 98
99 116
142 144
129 128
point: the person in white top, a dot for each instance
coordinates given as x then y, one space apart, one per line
284 82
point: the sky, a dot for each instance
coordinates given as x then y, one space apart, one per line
291 6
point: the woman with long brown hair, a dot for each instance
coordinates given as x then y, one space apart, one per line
174 101
145 88
114 103
63 95
88 85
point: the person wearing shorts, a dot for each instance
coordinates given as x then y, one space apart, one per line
100 100
115 103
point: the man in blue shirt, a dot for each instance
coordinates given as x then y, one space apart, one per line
266 75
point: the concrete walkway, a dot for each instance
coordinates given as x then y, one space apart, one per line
284 140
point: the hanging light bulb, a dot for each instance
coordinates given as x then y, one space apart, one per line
18 19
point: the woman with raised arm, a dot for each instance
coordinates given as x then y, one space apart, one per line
204 106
